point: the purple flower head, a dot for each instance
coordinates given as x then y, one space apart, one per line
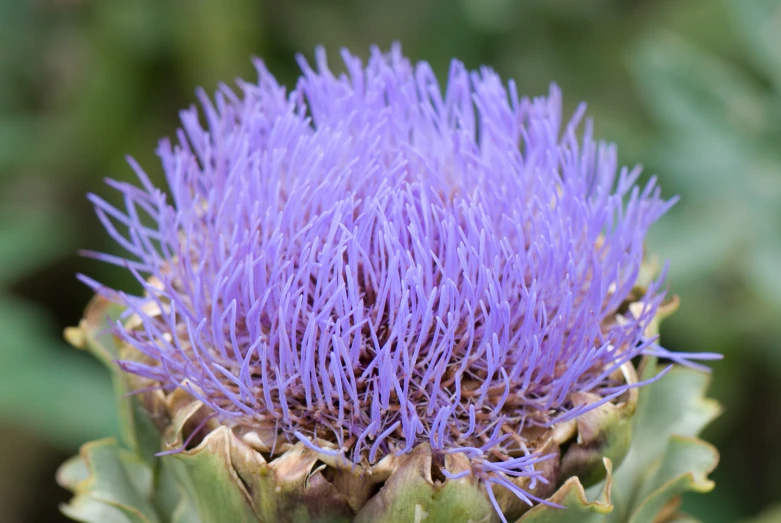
370 262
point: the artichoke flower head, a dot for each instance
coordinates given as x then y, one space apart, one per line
375 299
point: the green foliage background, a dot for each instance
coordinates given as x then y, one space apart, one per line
692 88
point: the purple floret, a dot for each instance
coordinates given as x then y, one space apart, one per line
369 262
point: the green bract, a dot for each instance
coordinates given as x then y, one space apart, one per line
229 476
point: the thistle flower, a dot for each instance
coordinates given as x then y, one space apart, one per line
371 267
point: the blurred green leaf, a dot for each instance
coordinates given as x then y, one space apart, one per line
17 141
720 149
771 515
759 24
27 242
689 89
65 397
215 41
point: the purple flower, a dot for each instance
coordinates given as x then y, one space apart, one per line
369 262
